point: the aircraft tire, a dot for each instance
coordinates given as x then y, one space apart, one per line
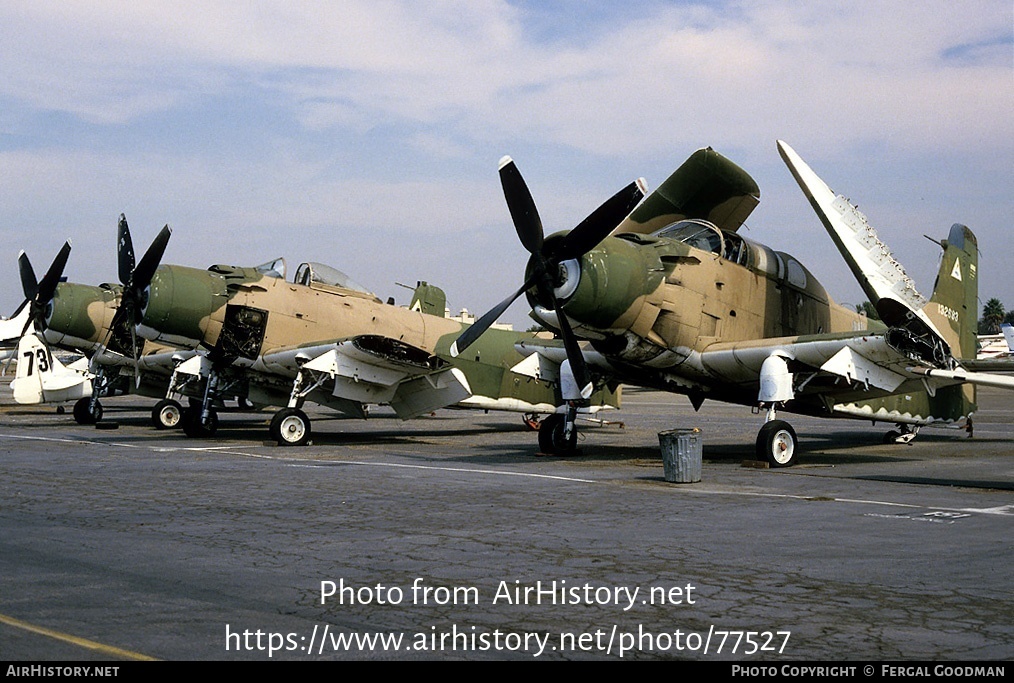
777 444
290 427
551 439
194 428
167 414
83 413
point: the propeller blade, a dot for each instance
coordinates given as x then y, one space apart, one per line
574 355
29 283
124 251
522 206
476 329
47 287
601 222
145 270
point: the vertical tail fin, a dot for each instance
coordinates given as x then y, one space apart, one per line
33 360
42 378
955 302
429 299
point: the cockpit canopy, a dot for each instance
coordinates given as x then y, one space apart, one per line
704 235
275 268
317 273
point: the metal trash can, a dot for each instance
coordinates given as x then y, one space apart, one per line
681 455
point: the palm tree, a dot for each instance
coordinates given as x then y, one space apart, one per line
992 316
869 309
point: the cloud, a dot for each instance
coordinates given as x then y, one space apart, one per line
389 116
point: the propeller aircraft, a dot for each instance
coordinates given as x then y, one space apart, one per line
322 338
246 333
96 321
40 376
676 299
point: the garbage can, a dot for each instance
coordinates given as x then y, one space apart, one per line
681 455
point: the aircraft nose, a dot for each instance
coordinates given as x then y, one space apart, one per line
604 286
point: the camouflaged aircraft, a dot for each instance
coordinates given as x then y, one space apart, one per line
40 376
96 321
676 299
323 338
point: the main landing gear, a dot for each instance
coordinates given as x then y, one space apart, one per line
198 423
87 411
290 427
167 414
776 444
558 433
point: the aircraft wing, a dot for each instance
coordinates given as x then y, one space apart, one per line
372 369
841 367
706 186
847 365
881 276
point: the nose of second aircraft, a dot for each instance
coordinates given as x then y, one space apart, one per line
181 305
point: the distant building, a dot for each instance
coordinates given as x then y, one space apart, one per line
467 318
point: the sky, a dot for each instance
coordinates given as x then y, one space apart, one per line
366 135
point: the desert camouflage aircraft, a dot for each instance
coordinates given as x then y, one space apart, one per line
678 300
325 339
356 350
96 321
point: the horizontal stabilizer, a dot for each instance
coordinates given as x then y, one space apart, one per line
42 378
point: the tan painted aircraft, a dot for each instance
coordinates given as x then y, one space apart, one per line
676 299
247 333
95 321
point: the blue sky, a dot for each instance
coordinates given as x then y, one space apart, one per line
366 135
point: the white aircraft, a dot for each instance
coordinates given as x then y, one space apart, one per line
42 378
997 345
11 330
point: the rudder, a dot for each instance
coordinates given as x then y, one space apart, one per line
954 304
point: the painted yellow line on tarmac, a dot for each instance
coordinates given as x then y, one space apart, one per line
74 640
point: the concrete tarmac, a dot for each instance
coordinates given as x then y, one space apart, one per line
447 538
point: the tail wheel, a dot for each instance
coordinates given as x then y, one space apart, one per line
776 443
290 427
167 414
551 437
84 414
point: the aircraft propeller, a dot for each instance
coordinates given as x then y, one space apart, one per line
544 263
135 277
38 294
